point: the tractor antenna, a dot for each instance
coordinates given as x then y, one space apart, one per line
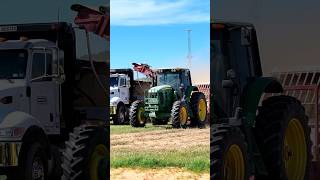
189 56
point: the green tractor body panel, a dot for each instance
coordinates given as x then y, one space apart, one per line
254 92
158 101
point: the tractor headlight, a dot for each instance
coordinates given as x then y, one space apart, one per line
11 132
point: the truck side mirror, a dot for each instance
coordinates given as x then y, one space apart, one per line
245 37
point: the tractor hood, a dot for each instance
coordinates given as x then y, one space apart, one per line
159 88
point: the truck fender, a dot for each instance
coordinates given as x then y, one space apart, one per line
253 93
115 101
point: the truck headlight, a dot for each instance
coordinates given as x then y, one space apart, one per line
11 132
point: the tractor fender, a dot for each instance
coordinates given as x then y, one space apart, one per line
253 93
189 91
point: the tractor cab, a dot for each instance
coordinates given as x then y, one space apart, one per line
178 79
234 62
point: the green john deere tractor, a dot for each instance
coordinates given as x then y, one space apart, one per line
172 98
252 136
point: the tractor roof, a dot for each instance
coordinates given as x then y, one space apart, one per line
224 24
170 69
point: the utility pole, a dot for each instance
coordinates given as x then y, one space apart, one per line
189 56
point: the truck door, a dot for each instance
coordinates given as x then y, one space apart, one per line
124 90
45 95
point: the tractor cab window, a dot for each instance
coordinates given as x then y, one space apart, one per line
42 66
13 64
114 81
172 79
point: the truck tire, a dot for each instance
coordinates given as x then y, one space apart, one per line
55 171
87 154
34 164
283 137
199 109
121 115
228 153
136 114
179 114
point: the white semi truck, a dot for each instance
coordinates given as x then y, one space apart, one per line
123 91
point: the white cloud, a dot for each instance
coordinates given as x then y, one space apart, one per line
158 12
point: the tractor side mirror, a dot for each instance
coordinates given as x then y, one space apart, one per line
227 83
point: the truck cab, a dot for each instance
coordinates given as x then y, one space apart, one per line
119 89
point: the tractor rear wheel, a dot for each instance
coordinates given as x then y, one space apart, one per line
136 114
199 109
179 114
229 160
87 154
283 136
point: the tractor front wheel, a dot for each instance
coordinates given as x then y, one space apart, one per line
136 114
199 109
228 152
179 114
283 136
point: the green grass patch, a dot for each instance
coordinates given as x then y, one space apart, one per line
196 160
122 129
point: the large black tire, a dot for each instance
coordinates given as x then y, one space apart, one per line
34 155
199 109
87 154
179 114
121 115
276 116
136 114
55 171
224 138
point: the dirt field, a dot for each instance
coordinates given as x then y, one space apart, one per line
169 139
161 153
155 174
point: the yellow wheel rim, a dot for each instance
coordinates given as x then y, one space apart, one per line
202 110
183 115
141 115
234 167
98 162
295 150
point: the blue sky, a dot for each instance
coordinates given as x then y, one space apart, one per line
152 32
32 11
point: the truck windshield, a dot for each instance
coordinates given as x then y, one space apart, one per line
13 64
172 79
114 81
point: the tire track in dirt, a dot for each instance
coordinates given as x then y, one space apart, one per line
169 139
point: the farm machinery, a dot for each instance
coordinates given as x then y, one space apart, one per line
252 135
172 97
52 125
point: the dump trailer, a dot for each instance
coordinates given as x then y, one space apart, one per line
50 103
123 91
252 136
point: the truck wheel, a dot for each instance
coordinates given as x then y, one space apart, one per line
283 137
35 163
55 171
199 109
136 114
120 117
228 153
179 114
87 154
